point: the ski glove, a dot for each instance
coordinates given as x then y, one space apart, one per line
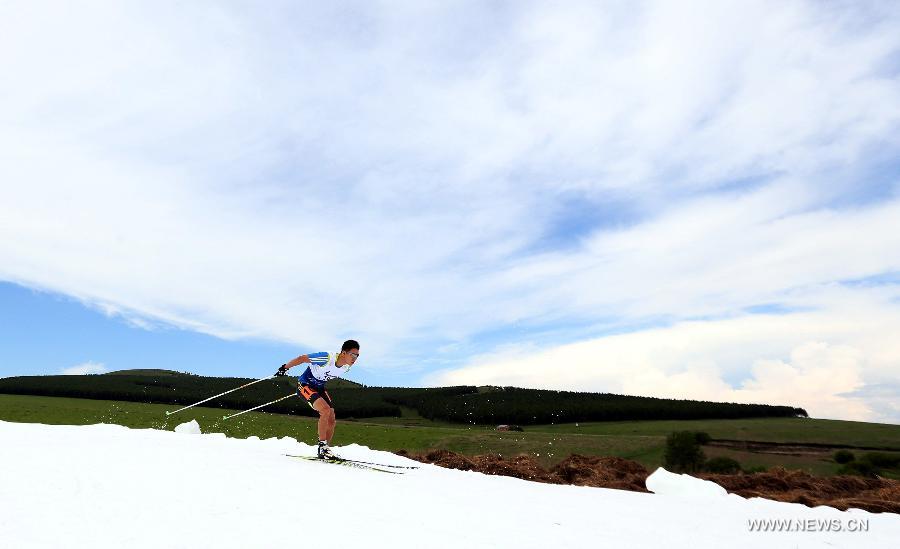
282 371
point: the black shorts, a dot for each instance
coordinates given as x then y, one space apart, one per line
311 394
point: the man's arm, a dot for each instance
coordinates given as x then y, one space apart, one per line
302 359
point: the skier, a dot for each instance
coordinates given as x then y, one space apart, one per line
311 386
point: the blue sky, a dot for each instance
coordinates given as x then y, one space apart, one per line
50 333
637 198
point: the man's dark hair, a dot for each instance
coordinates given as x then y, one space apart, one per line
349 345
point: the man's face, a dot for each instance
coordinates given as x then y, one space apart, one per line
351 355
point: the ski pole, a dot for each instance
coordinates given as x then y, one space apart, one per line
260 406
218 395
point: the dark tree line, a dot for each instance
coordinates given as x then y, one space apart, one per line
533 406
485 406
184 390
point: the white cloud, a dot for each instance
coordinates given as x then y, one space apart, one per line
266 173
822 361
711 256
84 369
818 374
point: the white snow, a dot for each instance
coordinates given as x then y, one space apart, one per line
673 484
108 486
190 428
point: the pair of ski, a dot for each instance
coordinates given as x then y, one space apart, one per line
356 464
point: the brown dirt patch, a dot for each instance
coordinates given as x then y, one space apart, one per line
841 492
773 448
601 472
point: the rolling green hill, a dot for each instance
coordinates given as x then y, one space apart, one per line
147 372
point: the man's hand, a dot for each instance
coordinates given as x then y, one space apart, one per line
282 371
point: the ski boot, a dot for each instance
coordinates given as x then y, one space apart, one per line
324 452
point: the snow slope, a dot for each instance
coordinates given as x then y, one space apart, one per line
110 486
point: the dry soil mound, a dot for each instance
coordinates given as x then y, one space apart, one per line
841 492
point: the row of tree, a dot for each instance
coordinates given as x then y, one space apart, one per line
464 404
183 390
532 406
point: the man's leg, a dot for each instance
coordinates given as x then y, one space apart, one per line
326 419
331 426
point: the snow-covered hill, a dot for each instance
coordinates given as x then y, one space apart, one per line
109 486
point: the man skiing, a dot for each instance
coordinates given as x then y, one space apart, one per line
311 386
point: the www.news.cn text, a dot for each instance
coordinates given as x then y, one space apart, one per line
808 525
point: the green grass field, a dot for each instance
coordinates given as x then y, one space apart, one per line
642 441
802 430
